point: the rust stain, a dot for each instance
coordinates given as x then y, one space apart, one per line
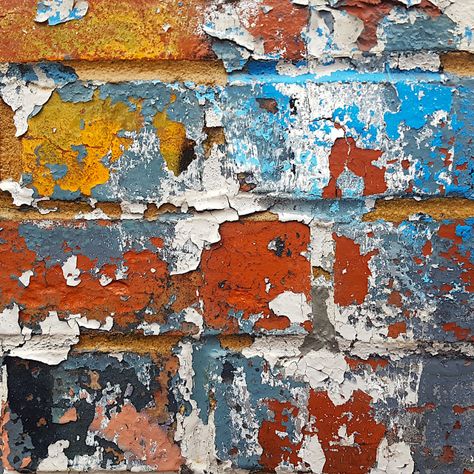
395 329
371 12
277 448
281 27
10 146
124 30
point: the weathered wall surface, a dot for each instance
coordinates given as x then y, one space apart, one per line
237 236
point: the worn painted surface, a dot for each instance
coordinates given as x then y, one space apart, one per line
305 136
237 236
368 312
235 31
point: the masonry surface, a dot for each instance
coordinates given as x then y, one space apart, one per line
237 236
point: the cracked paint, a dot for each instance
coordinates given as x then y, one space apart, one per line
236 237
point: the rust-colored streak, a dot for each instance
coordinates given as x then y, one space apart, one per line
346 155
456 255
373 362
351 272
460 333
10 146
235 342
460 63
113 342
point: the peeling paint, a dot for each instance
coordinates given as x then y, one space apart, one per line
236 237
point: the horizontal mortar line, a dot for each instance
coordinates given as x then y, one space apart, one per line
207 71
390 210
163 343
200 72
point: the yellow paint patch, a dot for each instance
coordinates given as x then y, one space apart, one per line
173 140
61 126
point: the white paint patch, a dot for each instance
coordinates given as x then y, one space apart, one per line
427 61
104 280
93 215
322 246
245 425
53 344
83 322
317 367
462 13
216 186
3 387
150 329
274 348
132 210
292 305
393 459
20 195
25 278
193 235
229 21
70 271
56 461
197 440
108 325
244 422
312 453
10 330
213 117
192 316
338 41
247 203
25 97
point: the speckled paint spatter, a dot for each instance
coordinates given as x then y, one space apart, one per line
268 267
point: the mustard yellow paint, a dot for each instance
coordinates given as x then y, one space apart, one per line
60 126
172 137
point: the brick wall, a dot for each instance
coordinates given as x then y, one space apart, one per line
237 236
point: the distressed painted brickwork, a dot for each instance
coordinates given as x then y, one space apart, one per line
237 236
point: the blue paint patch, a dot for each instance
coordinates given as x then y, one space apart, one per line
57 171
417 103
55 12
